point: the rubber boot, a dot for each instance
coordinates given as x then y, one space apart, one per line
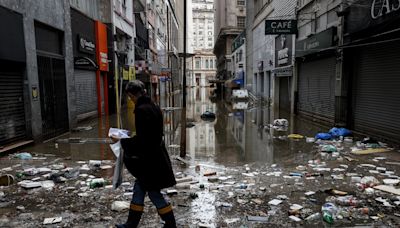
167 215
135 213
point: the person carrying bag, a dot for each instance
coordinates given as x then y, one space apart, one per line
147 159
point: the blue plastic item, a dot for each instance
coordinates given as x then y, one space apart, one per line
337 132
323 136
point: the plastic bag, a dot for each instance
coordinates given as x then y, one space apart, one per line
337 132
323 136
119 164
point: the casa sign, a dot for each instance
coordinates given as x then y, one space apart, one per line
383 7
277 27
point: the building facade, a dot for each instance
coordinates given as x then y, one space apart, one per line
230 21
369 82
36 53
58 72
201 42
272 55
316 59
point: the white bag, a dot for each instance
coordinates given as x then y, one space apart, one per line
119 164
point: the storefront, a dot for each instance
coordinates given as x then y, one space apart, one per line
12 75
283 72
316 69
372 56
85 64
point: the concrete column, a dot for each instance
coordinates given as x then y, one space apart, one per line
32 73
69 66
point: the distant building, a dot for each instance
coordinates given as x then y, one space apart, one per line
230 21
201 42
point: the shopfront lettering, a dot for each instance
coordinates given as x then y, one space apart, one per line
280 27
86 46
383 7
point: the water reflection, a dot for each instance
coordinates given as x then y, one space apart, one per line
240 133
201 138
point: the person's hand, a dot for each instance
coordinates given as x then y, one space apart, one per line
114 138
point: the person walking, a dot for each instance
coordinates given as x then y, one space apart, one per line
147 159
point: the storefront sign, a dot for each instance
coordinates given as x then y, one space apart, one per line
85 45
283 72
101 44
84 62
380 8
273 27
372 14
283 50
316 43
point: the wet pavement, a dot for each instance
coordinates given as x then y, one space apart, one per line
254 164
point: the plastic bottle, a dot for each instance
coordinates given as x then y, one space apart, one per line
97 183
314 217
329 211
347 201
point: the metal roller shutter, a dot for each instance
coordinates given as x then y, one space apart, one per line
377 96
86 91
316 86
12 117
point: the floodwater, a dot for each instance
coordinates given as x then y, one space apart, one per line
239 134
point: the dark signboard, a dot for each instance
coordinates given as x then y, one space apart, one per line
84 39
283 71
276 27
375 15
86 45
315 43
283 50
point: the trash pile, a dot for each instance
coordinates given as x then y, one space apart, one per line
339 185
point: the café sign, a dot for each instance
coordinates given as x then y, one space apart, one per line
380 8
276 27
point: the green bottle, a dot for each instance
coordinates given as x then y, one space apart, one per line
327 217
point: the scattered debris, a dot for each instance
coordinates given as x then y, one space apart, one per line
120 205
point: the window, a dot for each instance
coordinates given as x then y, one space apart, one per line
198 61
240 2
241 22
207 65
211 64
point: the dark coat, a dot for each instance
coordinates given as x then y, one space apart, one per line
145 154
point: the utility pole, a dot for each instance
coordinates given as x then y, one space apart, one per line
183 114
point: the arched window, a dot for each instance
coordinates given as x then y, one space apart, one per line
207 64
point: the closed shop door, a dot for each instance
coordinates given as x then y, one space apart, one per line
86 91
284 93
377 97
12 117
53 96
316 87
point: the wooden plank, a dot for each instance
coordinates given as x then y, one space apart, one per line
15 145
389 189
371 151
